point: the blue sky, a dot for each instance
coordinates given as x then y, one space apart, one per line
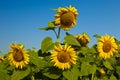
20 20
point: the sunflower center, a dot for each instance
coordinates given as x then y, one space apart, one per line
106 46
67 19
63 57
18 55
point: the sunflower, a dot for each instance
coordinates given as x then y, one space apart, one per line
106 46
83 39
63 57
66 17
18 56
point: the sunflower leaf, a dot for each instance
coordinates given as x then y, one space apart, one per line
97 36
3 73
47 28
34 57
118 70
20 74
107 65
112 77
55 9
72 74
52 73
71 40
51 24
85 67
47 44
93 69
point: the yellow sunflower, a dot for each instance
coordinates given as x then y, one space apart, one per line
63 57
66 17
83 39
106 46
18 56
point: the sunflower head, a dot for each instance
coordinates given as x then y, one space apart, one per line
83 39
66 17
18 56
63 56
106 46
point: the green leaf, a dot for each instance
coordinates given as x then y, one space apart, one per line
3 73
93 69
34 57
55 9
0 52
38 62
20 74
52 73
105 78
71 40
51 24
97 36
47 28
107 65
85 67
95 78
47 44
72 74
118 70
112 77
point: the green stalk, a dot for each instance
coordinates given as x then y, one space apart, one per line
55 32
32 77
92 77
58 36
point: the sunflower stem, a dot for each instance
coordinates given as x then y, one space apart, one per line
32 77
55 32
92 77
58 36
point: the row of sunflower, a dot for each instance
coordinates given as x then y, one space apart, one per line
70 59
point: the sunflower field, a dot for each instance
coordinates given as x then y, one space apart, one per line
70 59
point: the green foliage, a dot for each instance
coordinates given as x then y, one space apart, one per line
3 73
107 65
51 26
20 74
34 57
47 44
69 39
118 71
112 77
97 36
72 74
52 73
87 69
47 28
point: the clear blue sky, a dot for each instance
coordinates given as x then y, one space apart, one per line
20 20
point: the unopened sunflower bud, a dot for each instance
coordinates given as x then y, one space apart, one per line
83 39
